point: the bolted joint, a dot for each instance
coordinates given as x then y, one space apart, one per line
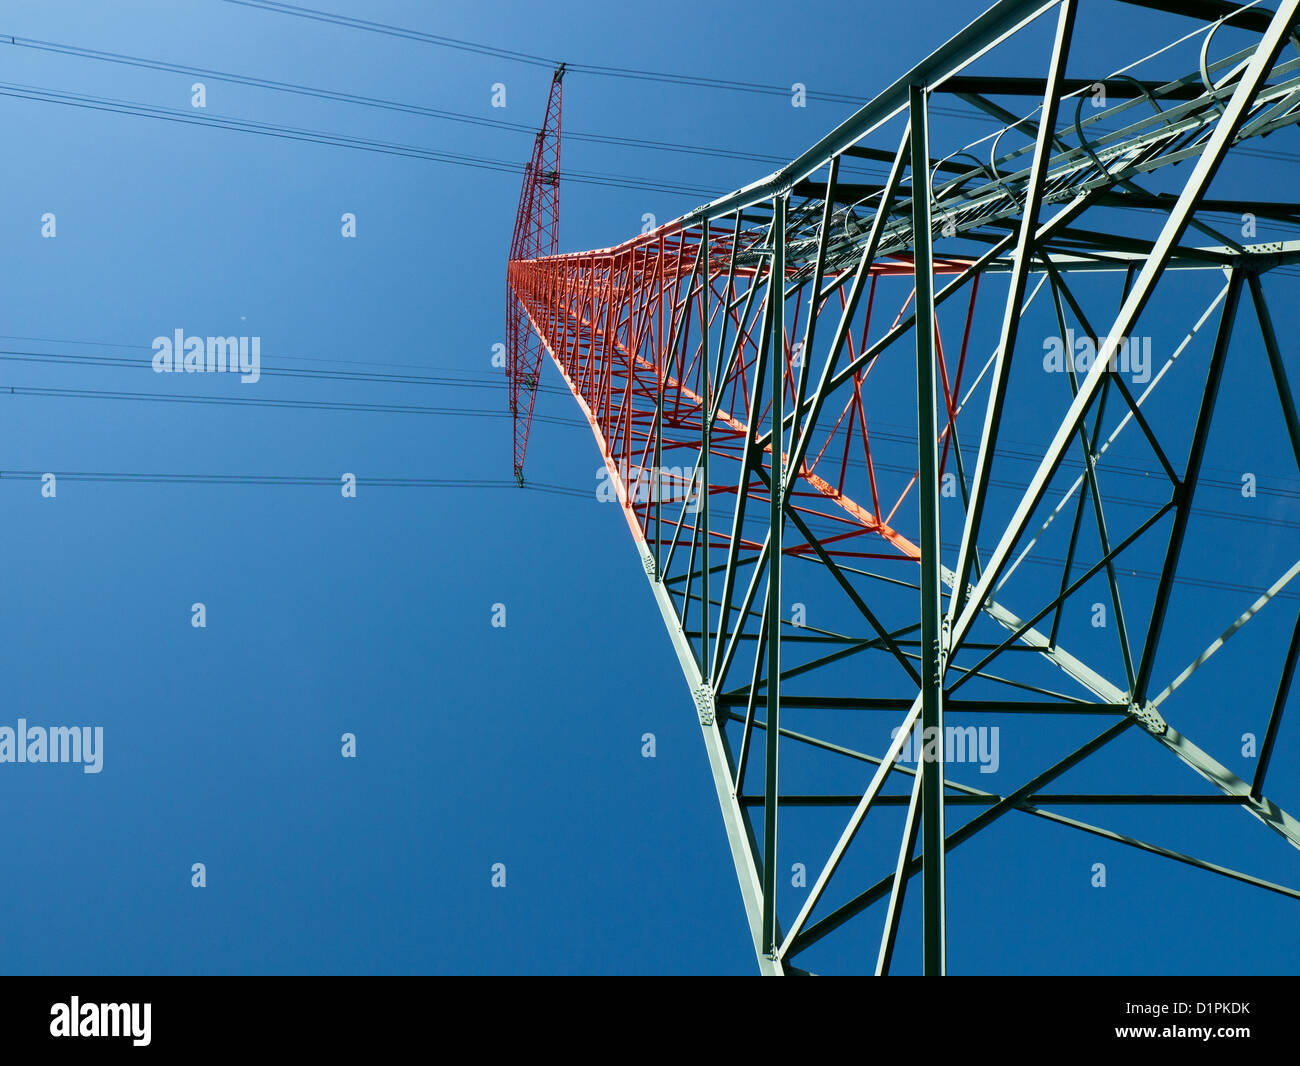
651 567
1149 719
704 703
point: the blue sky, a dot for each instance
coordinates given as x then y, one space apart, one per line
476 745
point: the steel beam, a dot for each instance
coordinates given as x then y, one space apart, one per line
932 814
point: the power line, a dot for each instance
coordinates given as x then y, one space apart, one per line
458 44
286 358
268 479
101 103
302 405
292 480
58 359
398 31
489 383
375 102
480 382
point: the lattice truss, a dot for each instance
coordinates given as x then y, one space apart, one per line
863 535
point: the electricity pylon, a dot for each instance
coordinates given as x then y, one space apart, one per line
866 537
537 233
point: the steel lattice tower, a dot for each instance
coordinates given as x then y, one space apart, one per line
778 430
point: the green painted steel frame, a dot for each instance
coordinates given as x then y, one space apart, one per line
800 245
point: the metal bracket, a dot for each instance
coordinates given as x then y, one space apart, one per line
1149 719
704 703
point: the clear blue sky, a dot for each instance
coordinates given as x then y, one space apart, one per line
476 745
